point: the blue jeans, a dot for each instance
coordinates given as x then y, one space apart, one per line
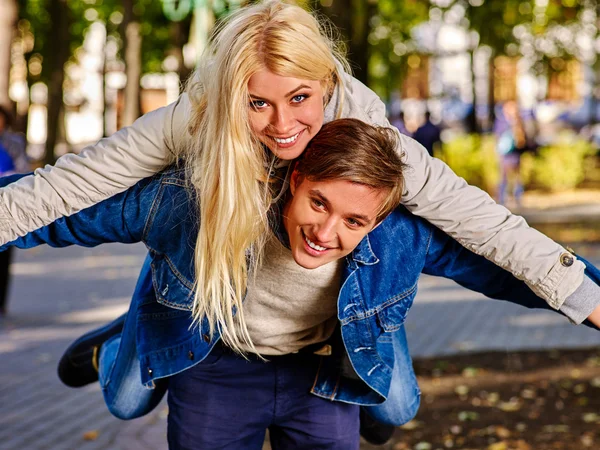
228 402
119 366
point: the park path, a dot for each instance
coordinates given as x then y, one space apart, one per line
59 294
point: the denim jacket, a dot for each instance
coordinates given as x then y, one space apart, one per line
379 282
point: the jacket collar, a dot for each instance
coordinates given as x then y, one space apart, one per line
363 253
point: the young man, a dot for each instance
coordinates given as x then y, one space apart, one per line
331 329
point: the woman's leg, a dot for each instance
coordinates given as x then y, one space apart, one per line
119 365
404 397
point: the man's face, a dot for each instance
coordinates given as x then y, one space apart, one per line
326 220
285 113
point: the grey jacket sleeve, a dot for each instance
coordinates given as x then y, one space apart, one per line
100 171
468 214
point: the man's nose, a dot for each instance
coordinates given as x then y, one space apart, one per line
325 232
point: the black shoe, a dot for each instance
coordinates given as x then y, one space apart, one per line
374 432
78 365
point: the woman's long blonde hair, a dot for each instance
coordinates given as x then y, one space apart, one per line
227 165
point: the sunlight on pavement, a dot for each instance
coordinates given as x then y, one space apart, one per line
101 314
542 319
72 265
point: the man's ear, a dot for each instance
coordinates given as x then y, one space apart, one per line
294 181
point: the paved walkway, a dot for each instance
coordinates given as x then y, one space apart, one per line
59 294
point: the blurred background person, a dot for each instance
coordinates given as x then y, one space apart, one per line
428 134
512 143
398 121
13 159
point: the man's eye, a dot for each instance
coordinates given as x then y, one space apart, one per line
299 98
318 204
353 223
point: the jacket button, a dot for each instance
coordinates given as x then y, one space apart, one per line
206 337
149 371
191 355
566 259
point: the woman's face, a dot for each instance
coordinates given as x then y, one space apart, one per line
285 113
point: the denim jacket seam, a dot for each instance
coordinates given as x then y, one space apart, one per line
152 212
178 274
372 254
373 311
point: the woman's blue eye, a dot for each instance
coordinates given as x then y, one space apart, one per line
258 104
299 98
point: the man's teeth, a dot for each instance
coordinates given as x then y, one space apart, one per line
287 140
311 244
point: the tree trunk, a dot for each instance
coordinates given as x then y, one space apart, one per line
491 100
180 32
59 16
472 124
132 39
8 23
352 19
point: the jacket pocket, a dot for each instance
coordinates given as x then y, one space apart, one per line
392 314
172 288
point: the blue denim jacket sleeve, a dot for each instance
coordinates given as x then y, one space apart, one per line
447 258
118 219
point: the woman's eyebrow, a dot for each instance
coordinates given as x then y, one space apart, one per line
302 86
292 92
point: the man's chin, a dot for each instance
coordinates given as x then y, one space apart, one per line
308 262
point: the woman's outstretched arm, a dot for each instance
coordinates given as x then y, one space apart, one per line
100 171
468 214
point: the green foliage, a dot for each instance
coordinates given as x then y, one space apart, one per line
474 158
155 28
391 41
557 167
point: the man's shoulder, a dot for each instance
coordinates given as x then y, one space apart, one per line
173 174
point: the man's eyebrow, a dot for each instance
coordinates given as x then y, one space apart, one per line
293 91
323 199
319 194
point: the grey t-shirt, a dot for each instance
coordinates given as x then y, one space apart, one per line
288 307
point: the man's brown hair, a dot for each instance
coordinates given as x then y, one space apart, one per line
351 150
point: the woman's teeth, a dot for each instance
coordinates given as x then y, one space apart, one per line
287 140
311 244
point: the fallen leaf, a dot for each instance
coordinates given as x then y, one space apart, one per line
498 446
556 428
590 417
461 390
470 372
502 432
91 435
464 416
412 425
512 405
